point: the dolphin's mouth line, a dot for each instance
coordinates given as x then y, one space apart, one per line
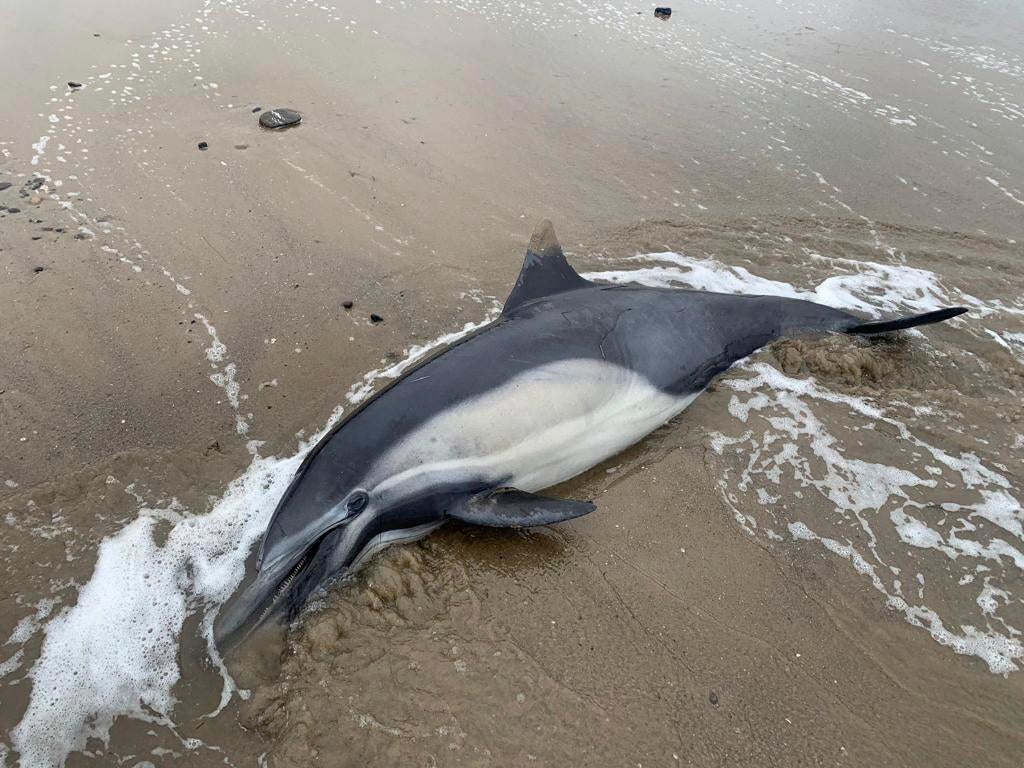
283 587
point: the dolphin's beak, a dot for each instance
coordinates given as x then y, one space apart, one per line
278 590
260 600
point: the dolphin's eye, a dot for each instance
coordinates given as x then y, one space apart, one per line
357 501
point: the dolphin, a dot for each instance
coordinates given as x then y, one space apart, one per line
571 373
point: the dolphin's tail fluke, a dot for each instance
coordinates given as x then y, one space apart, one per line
910 321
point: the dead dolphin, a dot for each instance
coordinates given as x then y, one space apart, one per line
569 374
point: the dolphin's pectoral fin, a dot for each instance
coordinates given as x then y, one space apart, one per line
545 271
512 508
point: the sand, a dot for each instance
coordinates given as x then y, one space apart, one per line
691 620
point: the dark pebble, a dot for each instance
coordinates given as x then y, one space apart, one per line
347 304
376 319
203 145
4 185
37 237
241 146
256 109
37 270
14 210
73 84
280 118
713 698
662 13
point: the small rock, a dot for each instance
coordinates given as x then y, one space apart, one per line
203 146
241 146
4 185
35 199
37 270
256 109
347 304
662 13
376 319
14 210
95 34
280 118
37 237
73 84
713 698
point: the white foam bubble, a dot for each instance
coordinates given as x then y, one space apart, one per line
797 443
140 593
224 376
700 274
868 287
29 625
998 651
859 489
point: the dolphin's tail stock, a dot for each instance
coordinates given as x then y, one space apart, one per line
798 316
900 323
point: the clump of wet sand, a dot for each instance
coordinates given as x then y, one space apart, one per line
843 360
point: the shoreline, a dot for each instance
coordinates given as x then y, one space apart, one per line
191 302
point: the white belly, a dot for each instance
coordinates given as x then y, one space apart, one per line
542 427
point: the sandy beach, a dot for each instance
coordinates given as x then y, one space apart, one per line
820 562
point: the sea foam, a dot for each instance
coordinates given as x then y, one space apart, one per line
142 591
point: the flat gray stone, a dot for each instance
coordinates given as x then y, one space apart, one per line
280 118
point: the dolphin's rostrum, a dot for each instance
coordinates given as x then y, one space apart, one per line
569 374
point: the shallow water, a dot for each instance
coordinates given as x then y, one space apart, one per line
855 448
821 558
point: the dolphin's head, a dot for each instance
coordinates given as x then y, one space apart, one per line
333 515
322 523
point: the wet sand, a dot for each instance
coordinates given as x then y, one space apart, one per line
691 619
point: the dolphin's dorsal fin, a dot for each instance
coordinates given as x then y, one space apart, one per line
545 271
